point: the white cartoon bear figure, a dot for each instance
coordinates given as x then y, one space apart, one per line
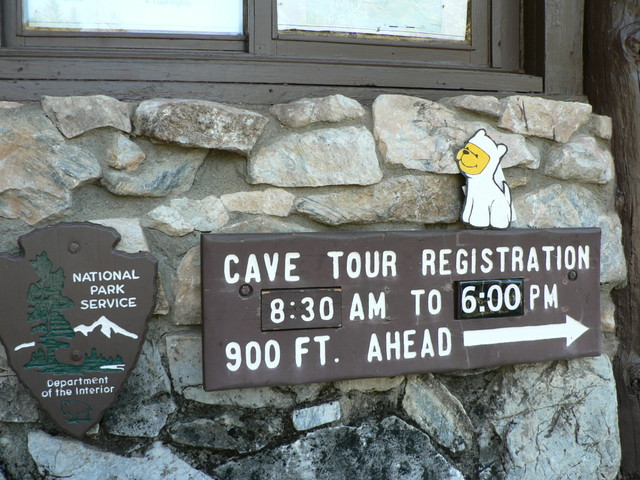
488 198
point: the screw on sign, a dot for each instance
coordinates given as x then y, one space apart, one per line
73 318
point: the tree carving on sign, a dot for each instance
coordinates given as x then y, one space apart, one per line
73 319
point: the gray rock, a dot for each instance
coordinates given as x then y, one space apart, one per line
263 225
555 420
601 126
200 124
38 170
184 353
376 450
232 430
149 381
426 136
187 306
132 237
574 206
303 112
7 105
436 411
166 170
543 118
369 384
607 313
185 215
76 115
315 416
272 201
125 154
5 369
133 240
483 104
60 457
16 403
332 156
580 160
424 199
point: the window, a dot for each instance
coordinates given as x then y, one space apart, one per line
262 50
155 16
444 20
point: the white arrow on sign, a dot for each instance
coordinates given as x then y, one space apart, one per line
571 330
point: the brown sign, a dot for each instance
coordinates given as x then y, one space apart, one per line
73 318
309 307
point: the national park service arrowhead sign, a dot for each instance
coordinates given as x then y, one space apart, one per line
73 315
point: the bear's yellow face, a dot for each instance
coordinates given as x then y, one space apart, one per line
472 160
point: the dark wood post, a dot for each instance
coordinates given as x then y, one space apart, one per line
612 70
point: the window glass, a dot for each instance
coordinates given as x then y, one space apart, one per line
436 19
222 17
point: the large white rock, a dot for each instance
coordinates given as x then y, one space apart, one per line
428 402
184 215
76 115
38 169
423 199
184 352
543 118
574 206
61 457
332 156
306 111
580 160
199 124
554 421
272 201
423 135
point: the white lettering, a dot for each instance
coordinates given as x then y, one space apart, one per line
444 261
321 340
408 343
487 266
417 294
271 265
335 255
427 345
289 266
393 345
356 312
503 255
374 352
583 257
353 265
534 294
550 297
428 262
444 342
377 307
300 349
229 278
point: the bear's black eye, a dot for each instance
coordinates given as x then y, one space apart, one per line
467 152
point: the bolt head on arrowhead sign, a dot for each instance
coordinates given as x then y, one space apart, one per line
73 318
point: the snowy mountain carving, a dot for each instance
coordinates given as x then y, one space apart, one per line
107 327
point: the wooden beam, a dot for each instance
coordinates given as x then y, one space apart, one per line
613 86
563 65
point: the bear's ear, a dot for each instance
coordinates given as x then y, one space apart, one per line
502 149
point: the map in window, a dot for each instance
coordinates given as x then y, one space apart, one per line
209 17
444 19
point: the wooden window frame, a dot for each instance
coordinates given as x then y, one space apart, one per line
264 66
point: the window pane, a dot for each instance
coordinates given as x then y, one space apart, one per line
224 17
438 19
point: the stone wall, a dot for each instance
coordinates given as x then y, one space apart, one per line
163 171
